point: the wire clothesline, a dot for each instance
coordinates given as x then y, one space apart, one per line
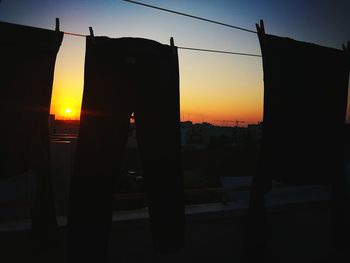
180 47
191 16
215 22
195 17
220 51
189 48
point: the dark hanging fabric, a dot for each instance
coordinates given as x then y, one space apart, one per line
125 76
305 100
303 142
27 60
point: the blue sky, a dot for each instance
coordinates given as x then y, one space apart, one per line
322 22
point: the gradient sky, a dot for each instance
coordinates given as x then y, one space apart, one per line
213 86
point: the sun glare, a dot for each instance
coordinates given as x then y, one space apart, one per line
68 113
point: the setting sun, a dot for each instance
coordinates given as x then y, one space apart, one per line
68 113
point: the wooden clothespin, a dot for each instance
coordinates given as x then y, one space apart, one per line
92 35
260 28
57 28
172 44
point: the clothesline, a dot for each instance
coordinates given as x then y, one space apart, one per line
191 16
210 21
190 48
220 51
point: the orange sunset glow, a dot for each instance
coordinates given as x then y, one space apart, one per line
68 80
213 88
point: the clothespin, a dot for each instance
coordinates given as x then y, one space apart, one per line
92 35
57 28
260 28
172 44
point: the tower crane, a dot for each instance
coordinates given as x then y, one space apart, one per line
225 122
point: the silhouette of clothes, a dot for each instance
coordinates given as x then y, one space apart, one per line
27 66
125 76
305 100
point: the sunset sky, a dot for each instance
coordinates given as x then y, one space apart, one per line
213 86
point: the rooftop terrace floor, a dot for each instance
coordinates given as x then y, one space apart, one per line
297 232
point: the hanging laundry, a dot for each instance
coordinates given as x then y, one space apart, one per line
305 100
26 74
125 76
303 142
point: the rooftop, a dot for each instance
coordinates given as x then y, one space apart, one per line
298 231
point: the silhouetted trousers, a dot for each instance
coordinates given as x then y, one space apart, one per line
125 76
27 61
303 140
